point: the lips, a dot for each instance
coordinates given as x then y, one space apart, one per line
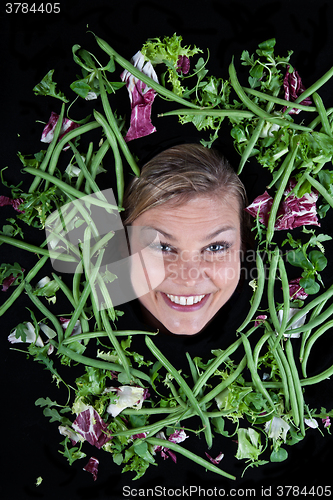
185 303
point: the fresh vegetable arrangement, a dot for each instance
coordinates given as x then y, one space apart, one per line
110 405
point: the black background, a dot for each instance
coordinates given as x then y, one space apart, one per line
31 45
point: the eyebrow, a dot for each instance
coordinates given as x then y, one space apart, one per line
206 238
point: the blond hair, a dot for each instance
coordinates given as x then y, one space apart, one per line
180 173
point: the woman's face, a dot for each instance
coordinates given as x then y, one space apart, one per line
191 260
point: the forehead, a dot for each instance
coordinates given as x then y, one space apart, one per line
199 214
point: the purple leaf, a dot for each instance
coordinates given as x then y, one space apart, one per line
48 131
142 97
293 88
293 212
92 467
90 425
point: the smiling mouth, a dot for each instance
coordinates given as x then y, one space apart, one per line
185 300
185 303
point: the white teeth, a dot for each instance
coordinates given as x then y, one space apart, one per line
185 301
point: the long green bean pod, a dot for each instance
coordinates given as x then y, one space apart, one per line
311 341
282 371
118 162
298 389
315 86
258 292
257 110
278 100
270 288
279 193
142 76
37 250
183 384
50 149
122 356
84 296
113 124
20 288
316 184
82 129
224 384
70 190
322 113
188 454
44 310
254 374
317 310
97 363
214 365
286 300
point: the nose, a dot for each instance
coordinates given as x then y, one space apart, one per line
187 271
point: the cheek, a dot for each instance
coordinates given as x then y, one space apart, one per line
147 271
225 272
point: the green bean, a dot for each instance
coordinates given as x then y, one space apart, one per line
70 190
86 173
282 371
316 379
278 174
322 113
307 333
157 426
33 248
188 454
314 322
151 411
97 363
183 384
19 289
113 124
286 300
67 292
317 120
118 163
259 346
253 139
224 384
290 381
280 191
314 302
250 145
82 129
298 389
254 374
256 109
257 294
120 352
175 394
142 76
98 158
278 100
311 341
84 296
214 365
270 288
87 163
86 257
50 149
315 86
102 333
231 113
320 188
44 310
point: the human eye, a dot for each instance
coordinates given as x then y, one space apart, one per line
161 247
217 247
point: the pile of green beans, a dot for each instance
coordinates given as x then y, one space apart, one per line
272 336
